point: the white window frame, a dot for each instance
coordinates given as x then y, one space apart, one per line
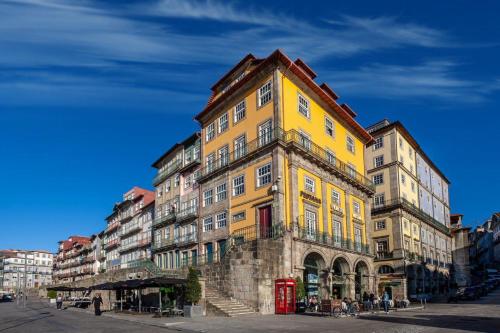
379 143
264 175
208 197
350 144
221 192
330 155
379 200
210 132
221 220
329 127
238 185
208 226
265 93
223 155
240 145
380 225
378 179
240 111
378 161
223 123
356 207
309 184
303 106
335 195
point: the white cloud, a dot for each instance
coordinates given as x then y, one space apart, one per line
436 80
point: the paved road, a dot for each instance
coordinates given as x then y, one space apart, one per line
479 316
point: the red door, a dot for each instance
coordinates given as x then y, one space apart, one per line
265 222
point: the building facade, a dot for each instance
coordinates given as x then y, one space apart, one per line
177 204
280 153
127 235
20 266
461 272
74 261
410 213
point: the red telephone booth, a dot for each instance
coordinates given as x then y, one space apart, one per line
284 296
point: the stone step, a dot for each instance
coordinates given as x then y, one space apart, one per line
225 305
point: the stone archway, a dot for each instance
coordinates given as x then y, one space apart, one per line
361 279
339 282
313 276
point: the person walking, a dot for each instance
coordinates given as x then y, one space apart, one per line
59 301
366 301
385 300
97 301
372 301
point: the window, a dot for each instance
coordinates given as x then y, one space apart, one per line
309 184
378 161
329 127
304 106
403 179
239 216
208 224
380 225
356 208
224 156
401 143
379 143
210 132
208 197
188 181
223 123
265 133
330 155
238 185
413 186
357 239
351 170
177 180
310 219
350 144
401 159
337 232
305 140
240 147
410 153
220 220
379 200
382 247
167 186
265 94
220 192
378 179
210 162
264 175
239 111
335 198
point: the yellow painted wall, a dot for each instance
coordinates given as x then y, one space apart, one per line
362 208
301 173
315 126
405 189
248 125
329 201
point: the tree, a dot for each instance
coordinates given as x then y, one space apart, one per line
193 287
300 289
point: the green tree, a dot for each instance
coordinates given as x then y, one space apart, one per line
300 289
51 294
193 287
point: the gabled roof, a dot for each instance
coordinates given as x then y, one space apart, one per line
302 72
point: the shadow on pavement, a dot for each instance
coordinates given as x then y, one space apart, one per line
24 322
466 323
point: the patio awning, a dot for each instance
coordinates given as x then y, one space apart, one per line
139 283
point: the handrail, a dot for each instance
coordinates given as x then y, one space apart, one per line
167 172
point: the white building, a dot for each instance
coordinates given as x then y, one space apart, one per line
38 268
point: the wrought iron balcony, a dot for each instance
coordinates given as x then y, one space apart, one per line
383 255
187 214
130 228
181 240
164 174
170 216
412 209
290 139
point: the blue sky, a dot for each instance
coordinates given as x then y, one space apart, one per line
92 92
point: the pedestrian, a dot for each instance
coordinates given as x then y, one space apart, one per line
366 301
59 301
385 300
372 301
97 301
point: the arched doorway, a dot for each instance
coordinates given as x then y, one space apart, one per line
340 269
313 264
361 279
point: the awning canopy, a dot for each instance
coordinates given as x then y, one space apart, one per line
66 288
139 284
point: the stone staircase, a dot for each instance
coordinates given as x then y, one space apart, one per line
219 305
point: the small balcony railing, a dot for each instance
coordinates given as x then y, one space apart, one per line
130 228
382 255
112 226
162 175
170 216
112 243
187 213
181 240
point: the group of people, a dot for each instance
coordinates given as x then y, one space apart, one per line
371 301
97 301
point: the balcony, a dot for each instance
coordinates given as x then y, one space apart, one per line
291 139
111 227
164 218
137 244
190 163
187 214
414 257
384 255
112 243
130 228
325 238
162 175
179 241
412 209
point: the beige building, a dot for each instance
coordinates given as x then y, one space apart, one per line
410 213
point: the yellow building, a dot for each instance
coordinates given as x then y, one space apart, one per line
282 158
411 214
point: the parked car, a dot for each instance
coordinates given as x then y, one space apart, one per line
6 298
469 293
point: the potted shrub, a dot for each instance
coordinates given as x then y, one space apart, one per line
300 294
193 295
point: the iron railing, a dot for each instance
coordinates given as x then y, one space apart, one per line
162 175
181 240
170 216
130 228
291 138
187 213
405 204
381 255
325 238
